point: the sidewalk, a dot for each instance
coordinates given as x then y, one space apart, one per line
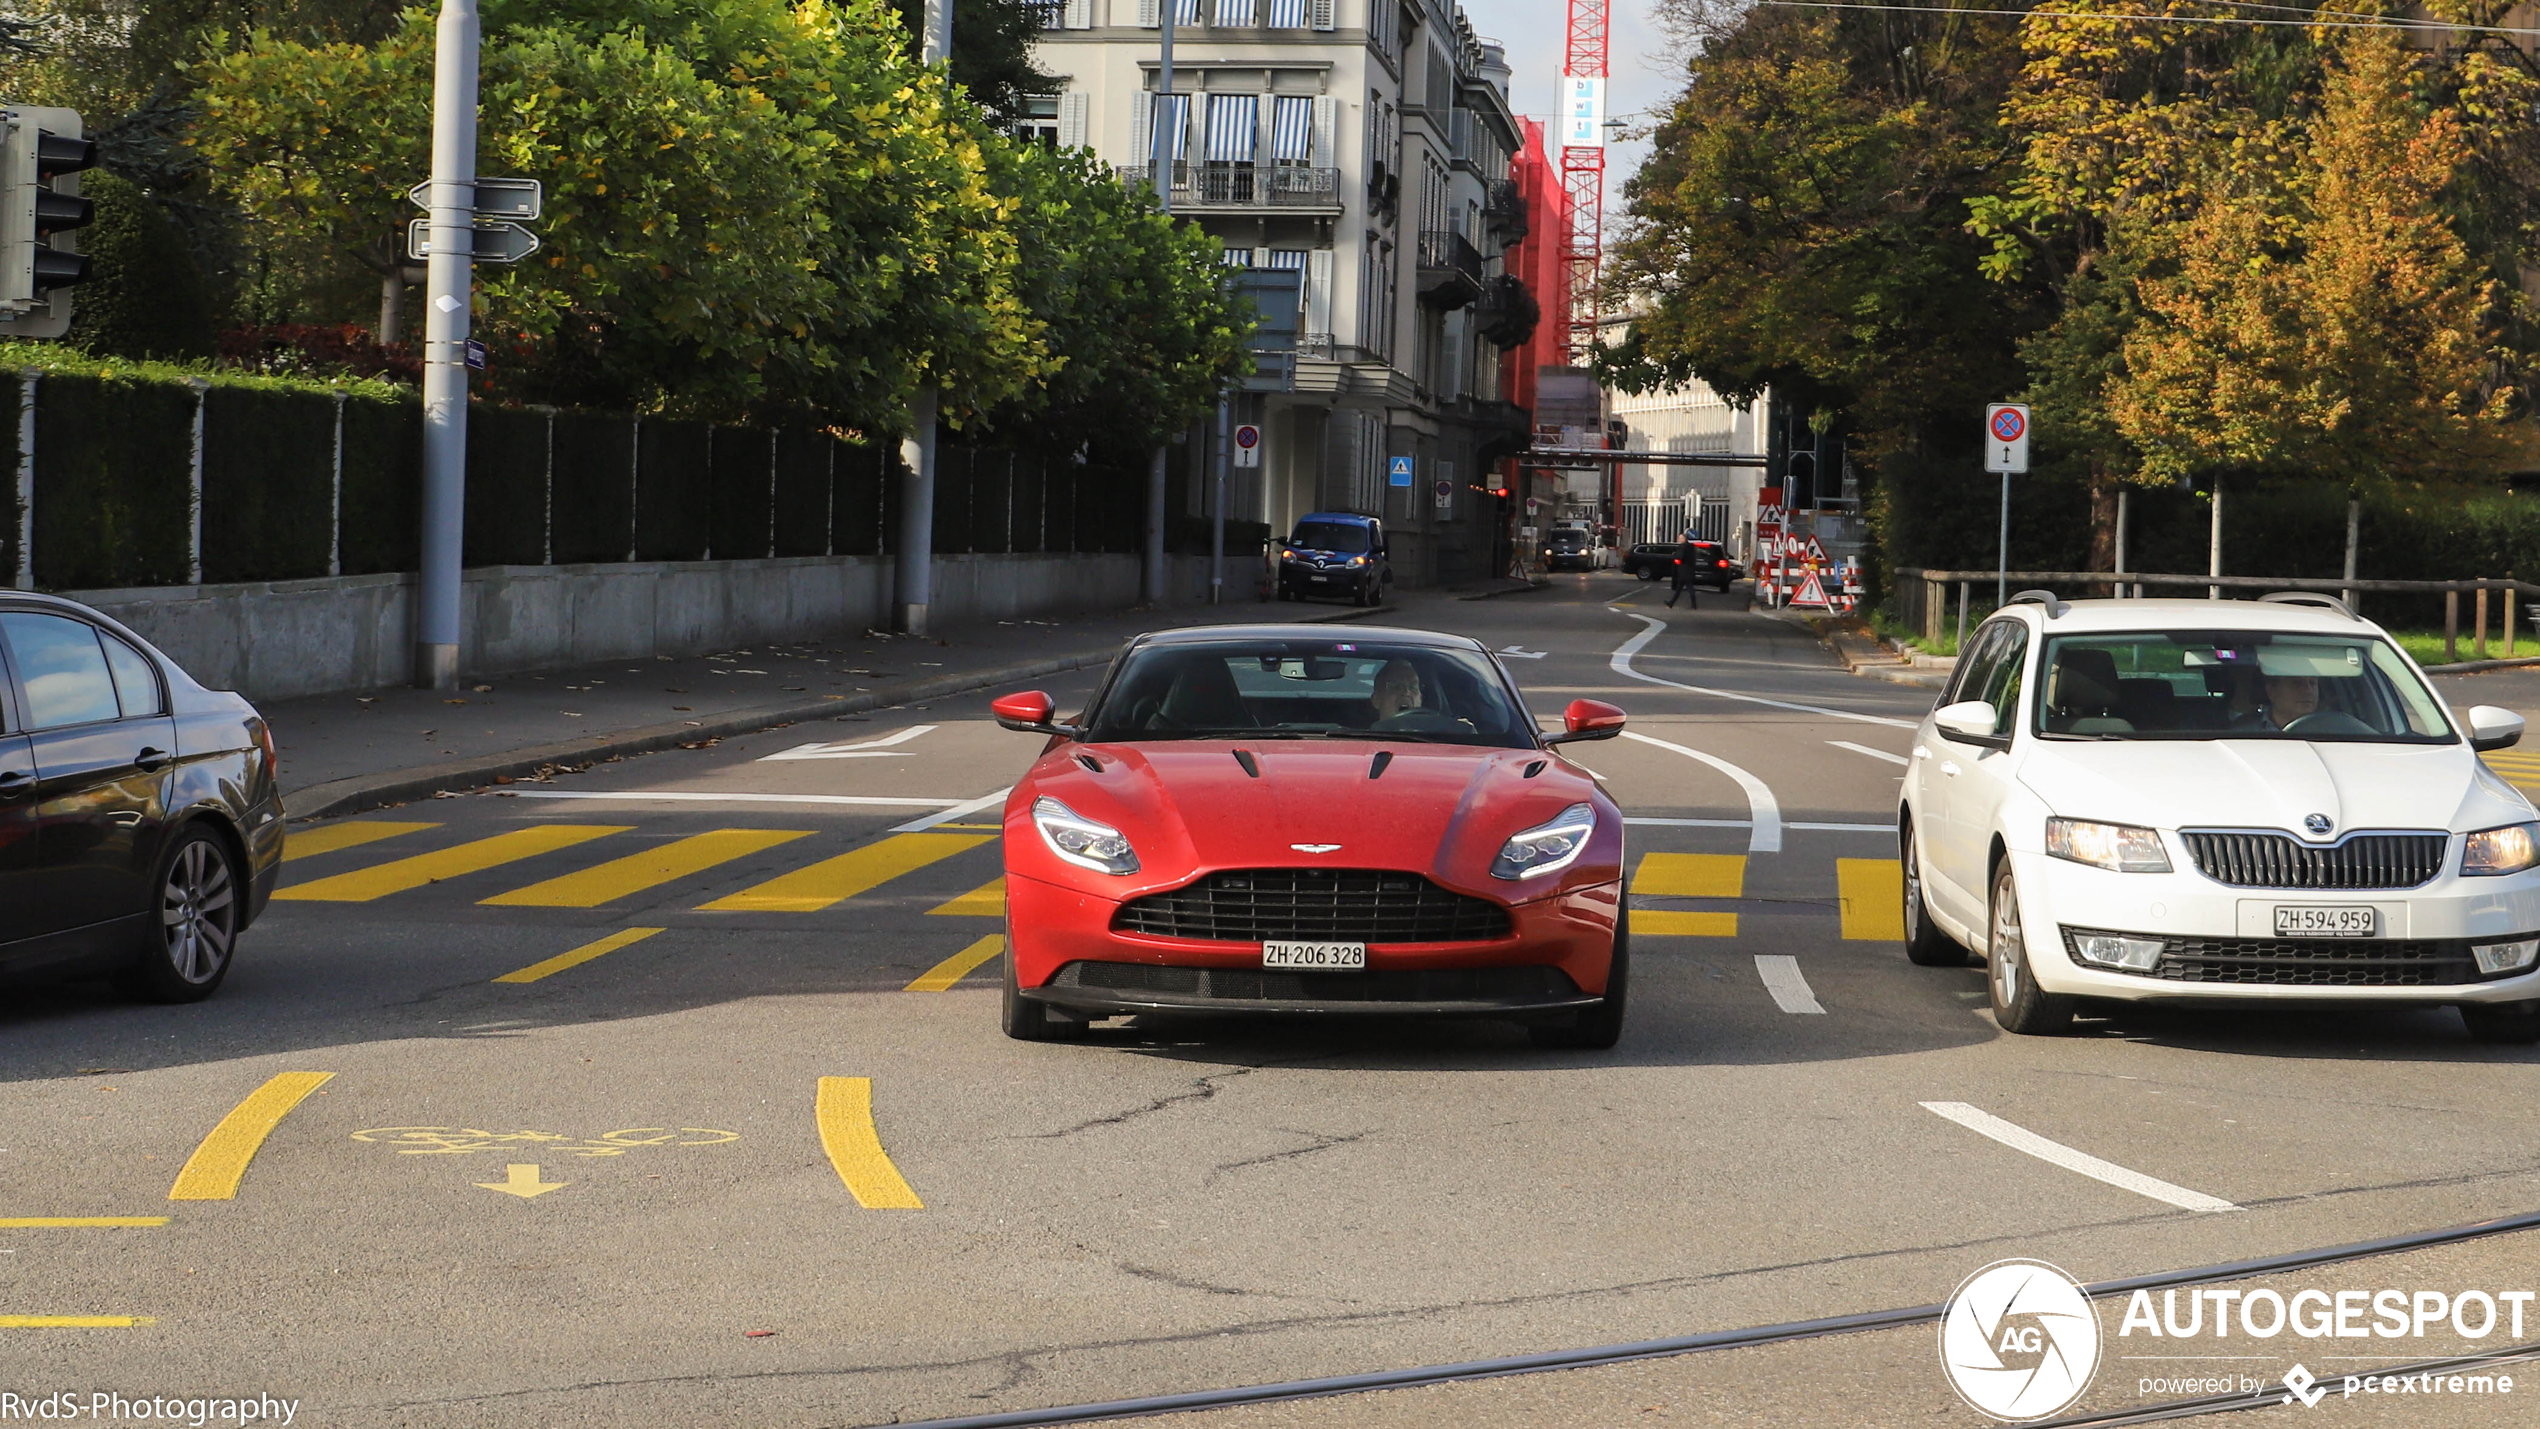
343 753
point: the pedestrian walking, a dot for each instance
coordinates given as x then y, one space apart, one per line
1686 555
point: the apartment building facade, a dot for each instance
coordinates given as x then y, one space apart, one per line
1364 145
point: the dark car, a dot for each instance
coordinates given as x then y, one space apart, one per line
140 823
1567 548
1335 553
1656 561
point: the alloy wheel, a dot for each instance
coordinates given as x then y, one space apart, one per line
198 911
2004 950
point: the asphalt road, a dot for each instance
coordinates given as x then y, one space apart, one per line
636 1109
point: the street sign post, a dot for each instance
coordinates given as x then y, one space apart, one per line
1247 445
522 200
2006 429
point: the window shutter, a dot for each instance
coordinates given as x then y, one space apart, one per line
1071 119
1141 131
1318 290
1323 14
1079 15
1327 119
1150 14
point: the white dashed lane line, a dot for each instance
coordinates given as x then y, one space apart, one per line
1781 978
2020 1138
1865 749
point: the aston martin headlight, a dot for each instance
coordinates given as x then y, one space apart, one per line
2510 849
1547 846
1081 841
2118 848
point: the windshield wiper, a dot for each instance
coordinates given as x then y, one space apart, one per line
1404 736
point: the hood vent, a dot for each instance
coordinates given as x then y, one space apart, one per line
1376 766
1532 770
1090 762
1251 766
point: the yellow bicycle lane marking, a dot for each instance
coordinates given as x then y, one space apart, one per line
1873 892
844 1110
834 880
402 875
212 1173
634 873
985 901
337 837
74 1322
1687 875
576 958
942 976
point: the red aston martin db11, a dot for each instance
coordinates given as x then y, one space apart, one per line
1292 819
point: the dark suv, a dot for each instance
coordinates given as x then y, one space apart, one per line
1656 561
1335 553
1568 548
140 825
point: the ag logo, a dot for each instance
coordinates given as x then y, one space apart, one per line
2019 1340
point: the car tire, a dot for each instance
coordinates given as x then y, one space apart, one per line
1598 1028
1925 945
198 901
2019 1004
1645 573
1027 1020
2509 1024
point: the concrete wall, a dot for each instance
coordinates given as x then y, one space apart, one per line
275 640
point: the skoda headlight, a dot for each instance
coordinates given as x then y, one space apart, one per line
2118 848
1547 846
2510 849
1081 841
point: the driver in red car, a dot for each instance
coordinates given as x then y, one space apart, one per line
1397 689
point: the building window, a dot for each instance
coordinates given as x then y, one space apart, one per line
1234 132
1039 124
1288 14
1235 12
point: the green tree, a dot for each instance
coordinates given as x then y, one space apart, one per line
991 53
144 296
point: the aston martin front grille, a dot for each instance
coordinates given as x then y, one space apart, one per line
2279 861
1336 904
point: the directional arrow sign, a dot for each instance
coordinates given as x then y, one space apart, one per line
521 199
523 1181
495 242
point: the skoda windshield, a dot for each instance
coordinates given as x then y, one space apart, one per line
2235 684
1346 537
1276 689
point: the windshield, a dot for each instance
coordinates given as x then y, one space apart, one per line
1275 689
2234 684
1330 536
1569 538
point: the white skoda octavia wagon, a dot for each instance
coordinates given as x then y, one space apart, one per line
2217 802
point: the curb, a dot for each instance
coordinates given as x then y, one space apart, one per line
361 792
1853 665
2479 667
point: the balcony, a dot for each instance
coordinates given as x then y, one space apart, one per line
1246 187
1450 269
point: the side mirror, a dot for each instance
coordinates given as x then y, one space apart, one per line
1031 712
1967 719
1588 719
2493 728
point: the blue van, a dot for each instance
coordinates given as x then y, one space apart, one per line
1335 553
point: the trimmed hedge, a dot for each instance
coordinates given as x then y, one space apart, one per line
803 460
382 497
674 501
114 482
592 508
268 484
742 465
855 495
506 488
12 514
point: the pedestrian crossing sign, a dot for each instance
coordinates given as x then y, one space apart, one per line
1398 472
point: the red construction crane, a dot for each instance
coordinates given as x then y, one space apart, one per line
1582 133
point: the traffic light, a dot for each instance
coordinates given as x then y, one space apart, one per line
41 156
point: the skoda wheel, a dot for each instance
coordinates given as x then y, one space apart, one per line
195 911
1925 945
2019 1005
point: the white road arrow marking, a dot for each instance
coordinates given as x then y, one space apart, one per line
1781 978
2020 1138
524 1182
1515 653
864 749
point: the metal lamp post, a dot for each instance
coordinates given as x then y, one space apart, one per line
449 282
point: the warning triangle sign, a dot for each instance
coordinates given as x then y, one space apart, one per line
1811 592
1816 551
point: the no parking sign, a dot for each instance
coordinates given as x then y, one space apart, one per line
1247 445
2006 437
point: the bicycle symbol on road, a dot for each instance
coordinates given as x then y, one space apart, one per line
462 1141
2008 424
